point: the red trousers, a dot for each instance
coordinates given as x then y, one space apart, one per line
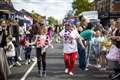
69 60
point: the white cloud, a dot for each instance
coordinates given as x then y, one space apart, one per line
91 0
55 8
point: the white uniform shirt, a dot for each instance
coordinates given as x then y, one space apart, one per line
69 40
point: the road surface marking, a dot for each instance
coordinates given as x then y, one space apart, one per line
28 71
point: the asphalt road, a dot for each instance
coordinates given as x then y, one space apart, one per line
55 69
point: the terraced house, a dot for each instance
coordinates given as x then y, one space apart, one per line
6 9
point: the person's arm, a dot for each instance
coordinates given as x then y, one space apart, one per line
114 37
34 41
118 38
81 42
80 39
8 47
60 34
48 42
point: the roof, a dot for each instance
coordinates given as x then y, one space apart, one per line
23 11
6 7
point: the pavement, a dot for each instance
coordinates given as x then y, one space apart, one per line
55 69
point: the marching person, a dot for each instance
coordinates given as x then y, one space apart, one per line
41 42
70 36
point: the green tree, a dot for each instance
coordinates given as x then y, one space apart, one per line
52 21
80 6
34 15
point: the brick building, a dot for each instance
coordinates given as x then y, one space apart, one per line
107 9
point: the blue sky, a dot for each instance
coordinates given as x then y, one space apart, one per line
55 8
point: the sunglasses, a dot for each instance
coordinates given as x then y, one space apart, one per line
67 24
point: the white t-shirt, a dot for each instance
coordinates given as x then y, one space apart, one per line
11 51
69 40
21 31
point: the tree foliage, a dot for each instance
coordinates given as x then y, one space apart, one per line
52 21
34 16
80 6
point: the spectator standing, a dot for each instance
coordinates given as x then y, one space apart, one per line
10 51
4 68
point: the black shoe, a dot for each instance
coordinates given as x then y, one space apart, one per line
44 73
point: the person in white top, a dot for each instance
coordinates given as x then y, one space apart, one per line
70 37
10 51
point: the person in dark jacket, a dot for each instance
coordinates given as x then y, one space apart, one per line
4 68
15 35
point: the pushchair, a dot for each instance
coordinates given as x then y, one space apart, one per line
117 71
114 62
115 75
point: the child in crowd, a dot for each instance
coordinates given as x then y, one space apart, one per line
95 47
105 44
41 42
10 51
70 36
28 50
24 41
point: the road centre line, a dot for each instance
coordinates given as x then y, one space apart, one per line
28 71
